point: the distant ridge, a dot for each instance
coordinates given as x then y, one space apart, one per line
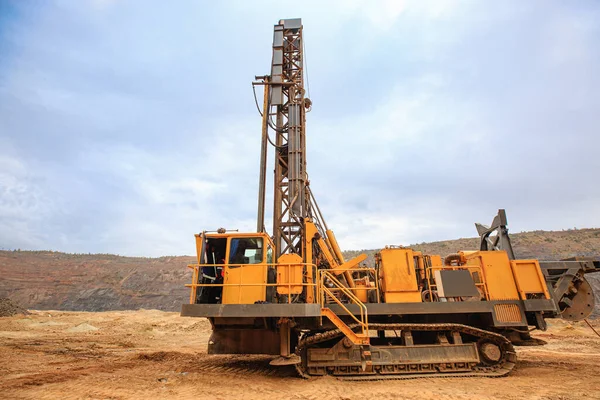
542 245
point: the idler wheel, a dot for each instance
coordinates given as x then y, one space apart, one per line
490 352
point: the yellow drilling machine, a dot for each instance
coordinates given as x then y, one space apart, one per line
293 294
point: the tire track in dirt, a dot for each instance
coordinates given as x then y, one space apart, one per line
245 365
59 376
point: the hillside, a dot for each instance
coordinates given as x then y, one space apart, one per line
96 282
99 282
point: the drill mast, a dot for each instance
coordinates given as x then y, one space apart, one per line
285 101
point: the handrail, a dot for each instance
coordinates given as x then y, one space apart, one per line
375 281
289 284
323 290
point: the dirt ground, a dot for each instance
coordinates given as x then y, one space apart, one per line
154 354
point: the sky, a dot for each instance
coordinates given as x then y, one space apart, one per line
128 126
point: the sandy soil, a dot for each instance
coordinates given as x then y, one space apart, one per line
154 354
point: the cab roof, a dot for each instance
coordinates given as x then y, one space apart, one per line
235 235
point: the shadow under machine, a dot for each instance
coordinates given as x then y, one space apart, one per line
293 294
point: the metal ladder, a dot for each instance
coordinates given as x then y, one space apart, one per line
361 338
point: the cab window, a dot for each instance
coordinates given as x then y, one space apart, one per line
246 251
269 254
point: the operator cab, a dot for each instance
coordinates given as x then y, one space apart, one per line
235 268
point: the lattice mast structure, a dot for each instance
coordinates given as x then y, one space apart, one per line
285 101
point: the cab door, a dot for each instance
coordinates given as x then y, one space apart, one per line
245 272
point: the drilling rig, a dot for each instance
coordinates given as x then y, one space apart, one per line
293 294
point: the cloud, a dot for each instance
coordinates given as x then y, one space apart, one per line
24 202
127 128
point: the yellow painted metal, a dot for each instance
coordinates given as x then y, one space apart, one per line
236 275
311 233
227 235
247 283
398 276
529 278
348 265
330 248
497 271
436 261
360 288
310 230
199 239
334 245
356 338
289 274
362 285
326 252
193 290
325 292
311 286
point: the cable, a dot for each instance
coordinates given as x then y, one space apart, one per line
269 122
256 100
306 67
591 327
273 144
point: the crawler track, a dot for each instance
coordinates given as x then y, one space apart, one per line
496 369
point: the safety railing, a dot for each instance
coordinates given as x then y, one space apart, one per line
359 288
481 285
310 283
326 276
